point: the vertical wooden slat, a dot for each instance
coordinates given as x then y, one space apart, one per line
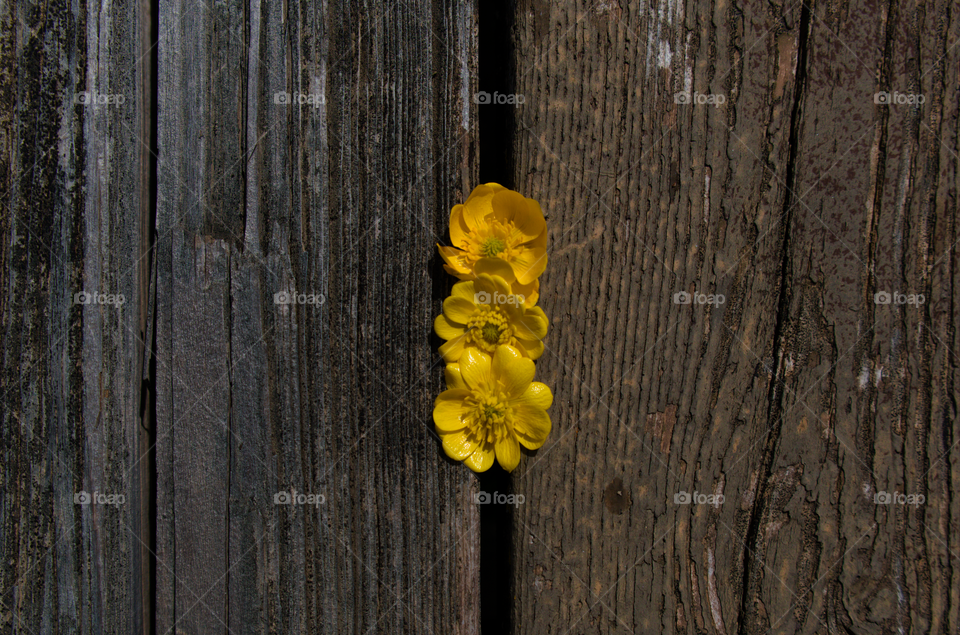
344 200
72 162
798 398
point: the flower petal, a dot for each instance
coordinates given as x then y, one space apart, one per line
486 188
482 458
484 285
458 228
459 445
476 210
452 351
459 310
453 258
528 264
531 425
531 326
508 453
540 241
475 368
527 218
447 330
512 370
537 395
501 286
532 348
495 267
530 292
464 290
453 377
448 410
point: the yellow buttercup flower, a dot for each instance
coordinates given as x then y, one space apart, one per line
499 232
484 314
491 407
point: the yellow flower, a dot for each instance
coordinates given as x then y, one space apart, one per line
498 231
490 407
484 314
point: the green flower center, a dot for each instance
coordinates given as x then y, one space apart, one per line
491 417
489 327
492 412
491 333
492 246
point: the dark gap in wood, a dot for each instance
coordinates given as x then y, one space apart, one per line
148 459
497 80
748 606
497 125
496 557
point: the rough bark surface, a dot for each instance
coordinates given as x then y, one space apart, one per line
798 399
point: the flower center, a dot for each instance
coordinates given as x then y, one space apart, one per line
491 333
490 416
492 246
489 327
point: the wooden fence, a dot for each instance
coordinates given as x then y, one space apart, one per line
752 289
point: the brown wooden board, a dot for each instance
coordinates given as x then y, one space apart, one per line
341 197
799 399
73 190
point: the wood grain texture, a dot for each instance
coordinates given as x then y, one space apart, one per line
72 161
799 399
344 198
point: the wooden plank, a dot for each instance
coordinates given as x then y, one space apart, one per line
72 161
798 398
342 197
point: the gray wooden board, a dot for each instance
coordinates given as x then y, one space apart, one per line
72 193
343 200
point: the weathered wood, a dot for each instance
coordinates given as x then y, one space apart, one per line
343 199
799 398
72 161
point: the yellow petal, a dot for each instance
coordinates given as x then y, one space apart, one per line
452 351
459 310
485 289
530 292
501 286
464 290
528 264
452 257
475 368
508 453
486 189
531 348
454 272
513 206
453 377
459 445
512 370
476 210
458 228
448 410
482 458
495 267
531 424
538 242
443 327
531 326
537 395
